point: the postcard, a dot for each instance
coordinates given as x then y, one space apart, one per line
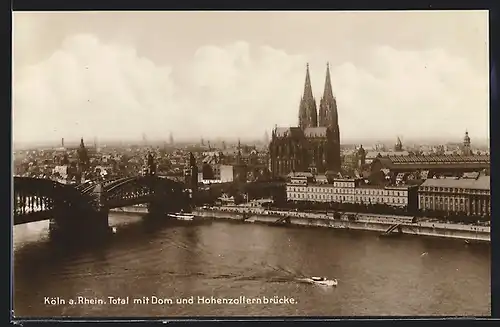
251 164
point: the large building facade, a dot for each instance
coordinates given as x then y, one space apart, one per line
465 196
303 187
314 145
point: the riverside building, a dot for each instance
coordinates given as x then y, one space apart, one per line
303 187
469 195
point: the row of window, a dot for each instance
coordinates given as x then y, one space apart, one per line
332 190
455 208
451 200
427 206
343 184
452 190
303 196
431 200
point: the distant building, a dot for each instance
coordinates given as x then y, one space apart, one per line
65 173
433 164
227 173
62 171
398 147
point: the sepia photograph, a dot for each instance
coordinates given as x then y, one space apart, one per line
250 164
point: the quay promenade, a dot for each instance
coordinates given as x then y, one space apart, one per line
350 220
345 220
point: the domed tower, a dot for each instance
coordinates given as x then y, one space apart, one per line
466 149
398 147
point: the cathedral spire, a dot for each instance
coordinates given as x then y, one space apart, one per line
328 116
328 83
308 115
308 94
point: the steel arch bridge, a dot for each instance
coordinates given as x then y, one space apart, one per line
36 199
40 199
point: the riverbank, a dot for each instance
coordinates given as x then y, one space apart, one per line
355 221
347 221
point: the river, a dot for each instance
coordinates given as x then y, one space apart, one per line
406 276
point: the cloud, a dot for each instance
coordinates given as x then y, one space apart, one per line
414 94
88 88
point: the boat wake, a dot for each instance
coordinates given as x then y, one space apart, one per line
260 271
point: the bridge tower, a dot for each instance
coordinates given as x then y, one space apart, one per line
101 219
151 165
157 206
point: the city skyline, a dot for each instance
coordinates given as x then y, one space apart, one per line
111 75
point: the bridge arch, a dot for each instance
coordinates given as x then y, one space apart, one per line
145 189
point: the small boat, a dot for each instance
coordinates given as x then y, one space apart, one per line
320 281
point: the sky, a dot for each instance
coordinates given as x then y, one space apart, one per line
119 75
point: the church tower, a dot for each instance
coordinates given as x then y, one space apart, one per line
466 149
83 160
328 117
308 115
83 157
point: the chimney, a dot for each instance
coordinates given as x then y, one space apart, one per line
62 142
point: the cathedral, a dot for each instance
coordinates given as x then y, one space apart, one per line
313 146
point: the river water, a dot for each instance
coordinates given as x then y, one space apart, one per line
376 277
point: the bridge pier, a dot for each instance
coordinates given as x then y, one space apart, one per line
84 226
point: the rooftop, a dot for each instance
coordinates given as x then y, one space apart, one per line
481 183
293 132
445 159
433 161
300 174
367 186
374 154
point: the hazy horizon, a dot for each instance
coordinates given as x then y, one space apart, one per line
71 143
117 75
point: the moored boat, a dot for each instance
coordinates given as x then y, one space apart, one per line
181 216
